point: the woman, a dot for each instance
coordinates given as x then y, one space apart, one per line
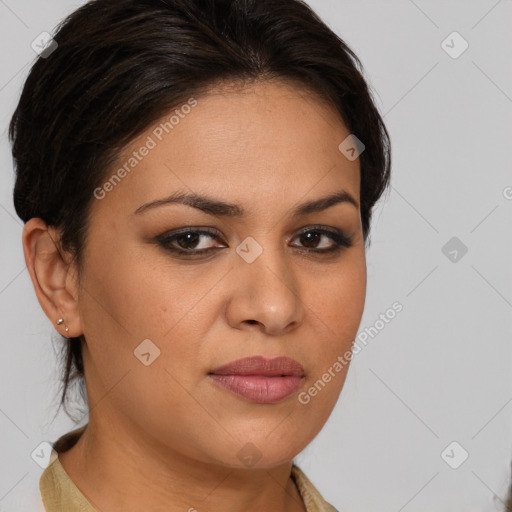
197 179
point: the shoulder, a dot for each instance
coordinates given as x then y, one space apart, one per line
312 498
59 493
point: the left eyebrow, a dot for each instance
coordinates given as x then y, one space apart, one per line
221 208
323 203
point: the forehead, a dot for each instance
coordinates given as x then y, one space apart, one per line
262 142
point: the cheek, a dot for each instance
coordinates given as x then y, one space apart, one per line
133 299
338 303
336 311
119 307
141 300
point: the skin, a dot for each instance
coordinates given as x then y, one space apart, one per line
164 436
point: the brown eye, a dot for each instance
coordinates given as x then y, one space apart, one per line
186 241
196 242
311 237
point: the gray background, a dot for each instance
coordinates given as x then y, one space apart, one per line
440 371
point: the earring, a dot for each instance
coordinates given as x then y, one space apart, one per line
59 322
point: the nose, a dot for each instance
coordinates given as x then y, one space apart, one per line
266 295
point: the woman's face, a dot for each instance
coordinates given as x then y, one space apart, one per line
158 322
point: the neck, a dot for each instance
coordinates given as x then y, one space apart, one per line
115 473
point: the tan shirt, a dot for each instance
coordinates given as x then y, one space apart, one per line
60 494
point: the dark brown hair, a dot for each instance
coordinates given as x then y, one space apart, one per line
120 65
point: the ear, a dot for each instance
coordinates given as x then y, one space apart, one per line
53 275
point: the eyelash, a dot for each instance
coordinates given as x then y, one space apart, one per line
341 240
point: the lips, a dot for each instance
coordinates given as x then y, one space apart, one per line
258 365
260 380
